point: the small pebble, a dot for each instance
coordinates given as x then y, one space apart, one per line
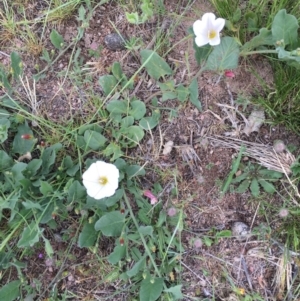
114 42
240 231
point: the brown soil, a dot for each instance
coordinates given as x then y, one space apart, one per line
210 272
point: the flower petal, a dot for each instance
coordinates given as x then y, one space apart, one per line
208 19
201 40
219 24
92 190
91 174
104 192
199 28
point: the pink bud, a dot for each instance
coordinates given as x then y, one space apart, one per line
27 136
229 73
198 243
151 196
172 211
283 212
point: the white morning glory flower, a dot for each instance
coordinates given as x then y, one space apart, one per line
101 180
208 30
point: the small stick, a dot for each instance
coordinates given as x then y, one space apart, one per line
246 272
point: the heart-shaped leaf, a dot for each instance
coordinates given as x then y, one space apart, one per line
224 56
155 65
111 224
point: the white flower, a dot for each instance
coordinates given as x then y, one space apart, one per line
101 180
208 30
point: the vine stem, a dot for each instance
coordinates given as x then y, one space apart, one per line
257 52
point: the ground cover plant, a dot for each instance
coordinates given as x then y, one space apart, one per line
149 150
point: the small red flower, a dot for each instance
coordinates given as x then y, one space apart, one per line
121 241
229 73
151 196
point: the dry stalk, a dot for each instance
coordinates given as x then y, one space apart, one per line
264 154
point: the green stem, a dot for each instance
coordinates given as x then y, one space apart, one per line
258 52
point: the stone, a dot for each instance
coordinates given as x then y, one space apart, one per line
114 42
240 231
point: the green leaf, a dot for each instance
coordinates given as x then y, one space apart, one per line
118 253
132 18
263 38
254 188
93 127
32 167
31 205
17 171
285 27
76 192
30 235
117 71
108 83
5 160
168 85
22 146
113 149
48 157
88 236
224 56
111 224
194 94
252 20
92 203
120 164
56 39
137 109
117 107
182 92
81 13
151 288
287 55
240 178
270 174
149 123
94 140
136 267
48 247
46 215
134 134
237 15
146 230
4 126
10 203
112 200
168 95
134 171
10 291
175 291
16 65
202 53
155 65
127 121
243 186
4 80
45 188
268 187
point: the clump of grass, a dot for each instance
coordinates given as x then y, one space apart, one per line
283 104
